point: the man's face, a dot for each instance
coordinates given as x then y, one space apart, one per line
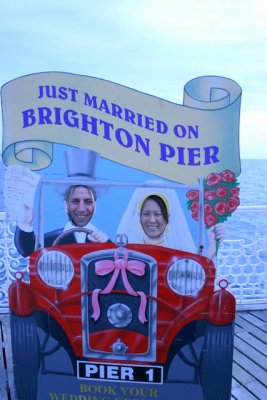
80 205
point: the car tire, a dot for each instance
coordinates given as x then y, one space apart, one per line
25 348
216 362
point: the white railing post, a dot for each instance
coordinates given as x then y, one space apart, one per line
10 259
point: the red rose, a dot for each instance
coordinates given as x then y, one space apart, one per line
210 219
195 215
194 206
220 207
192 194
213 179
221 197
207 209
209 194
221 191
232 203
227 176
234 191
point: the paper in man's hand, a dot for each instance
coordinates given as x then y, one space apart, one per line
19 190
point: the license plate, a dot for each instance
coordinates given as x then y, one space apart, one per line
119 372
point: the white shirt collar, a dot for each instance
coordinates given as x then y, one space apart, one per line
79 236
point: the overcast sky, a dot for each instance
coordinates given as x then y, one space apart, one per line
152 46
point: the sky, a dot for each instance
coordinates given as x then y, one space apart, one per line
153 46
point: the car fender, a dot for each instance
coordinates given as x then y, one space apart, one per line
222 306
21 299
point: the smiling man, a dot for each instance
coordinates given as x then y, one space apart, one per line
80 203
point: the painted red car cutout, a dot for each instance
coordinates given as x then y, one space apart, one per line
123 305
123 312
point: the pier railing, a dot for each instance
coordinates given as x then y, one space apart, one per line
243 262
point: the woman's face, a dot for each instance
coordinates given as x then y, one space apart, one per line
152 219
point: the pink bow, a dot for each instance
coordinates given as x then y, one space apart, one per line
119 265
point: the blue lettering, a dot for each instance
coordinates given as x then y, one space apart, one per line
107 127
149 123
70 118
129 116
192 131
210 154
144 146
162 127
181 155
28 118
126 143
90 101
92 121
166 152
104 106
181 131
57 116
116 110
193 152
62 93
44 115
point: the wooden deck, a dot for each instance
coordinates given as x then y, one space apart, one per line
249 367
6 370
250 356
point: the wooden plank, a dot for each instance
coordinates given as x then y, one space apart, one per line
3 381
261 314
250 361
258 390
10 389
241 375
254 320
239 392
257 385
242 378
252 329
256 356
252 341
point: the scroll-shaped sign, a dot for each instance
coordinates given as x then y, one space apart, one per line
177 142
121 299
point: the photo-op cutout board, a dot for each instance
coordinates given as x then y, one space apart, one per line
120 299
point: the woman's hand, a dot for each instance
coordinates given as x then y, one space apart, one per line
216 235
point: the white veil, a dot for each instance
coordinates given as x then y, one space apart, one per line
177 234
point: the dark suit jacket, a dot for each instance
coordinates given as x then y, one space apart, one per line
25 241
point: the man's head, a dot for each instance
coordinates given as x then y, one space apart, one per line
80 203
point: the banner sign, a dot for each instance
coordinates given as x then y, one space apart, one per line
178 142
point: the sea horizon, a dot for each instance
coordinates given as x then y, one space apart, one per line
252 182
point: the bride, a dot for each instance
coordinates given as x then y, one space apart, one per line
155 216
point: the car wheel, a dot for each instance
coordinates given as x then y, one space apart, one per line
25 348
216 362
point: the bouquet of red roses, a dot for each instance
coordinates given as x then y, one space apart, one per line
221 198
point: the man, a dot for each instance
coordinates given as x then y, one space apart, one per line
80 203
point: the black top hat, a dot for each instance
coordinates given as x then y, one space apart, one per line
81 166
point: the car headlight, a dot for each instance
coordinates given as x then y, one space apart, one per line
186 277
55 268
